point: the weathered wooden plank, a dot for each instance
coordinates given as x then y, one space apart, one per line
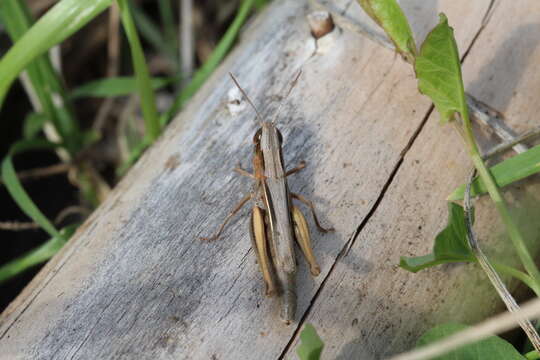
372 308
499 71
136 282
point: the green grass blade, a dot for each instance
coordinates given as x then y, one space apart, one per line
65 18
166 14
33 123
43 79
202 74
115 86
15 189
152 33
506 172
36 256
438 70
311 345
144 86
389 16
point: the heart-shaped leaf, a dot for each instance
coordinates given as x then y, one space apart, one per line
451 244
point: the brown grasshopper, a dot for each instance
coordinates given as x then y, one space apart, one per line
275 222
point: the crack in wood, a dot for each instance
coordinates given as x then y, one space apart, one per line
350 243
191 282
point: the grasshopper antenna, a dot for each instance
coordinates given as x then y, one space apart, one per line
246 96
293 84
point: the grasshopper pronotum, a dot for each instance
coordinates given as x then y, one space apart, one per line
275 222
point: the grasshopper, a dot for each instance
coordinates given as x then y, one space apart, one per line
275 222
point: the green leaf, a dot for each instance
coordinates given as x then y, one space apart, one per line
33 123
451 244
311 344
144 86
506 172
15 189
44 84
438 70
389 16
491 348
36 256
65 18
115 86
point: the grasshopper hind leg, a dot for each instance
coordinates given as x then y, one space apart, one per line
229 217
301 232
312 208
258 234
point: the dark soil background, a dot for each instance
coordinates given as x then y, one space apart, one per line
84 58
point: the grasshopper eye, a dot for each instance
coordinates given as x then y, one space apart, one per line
257 136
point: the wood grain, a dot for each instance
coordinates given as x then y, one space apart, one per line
135 282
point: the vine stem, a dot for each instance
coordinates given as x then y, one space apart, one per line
488 268
498 199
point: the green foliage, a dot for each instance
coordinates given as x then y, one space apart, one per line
166 14
64 19
506 172
532 355
44 82
451 244
144 86
259 4
33 123
492 348
52 103
388 15
202 74
15 189
439 76
114 86
439 71
311 345
36 256
152 33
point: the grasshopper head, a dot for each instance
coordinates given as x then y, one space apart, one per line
267 127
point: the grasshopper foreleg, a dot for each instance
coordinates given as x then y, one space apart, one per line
243 172
296 169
